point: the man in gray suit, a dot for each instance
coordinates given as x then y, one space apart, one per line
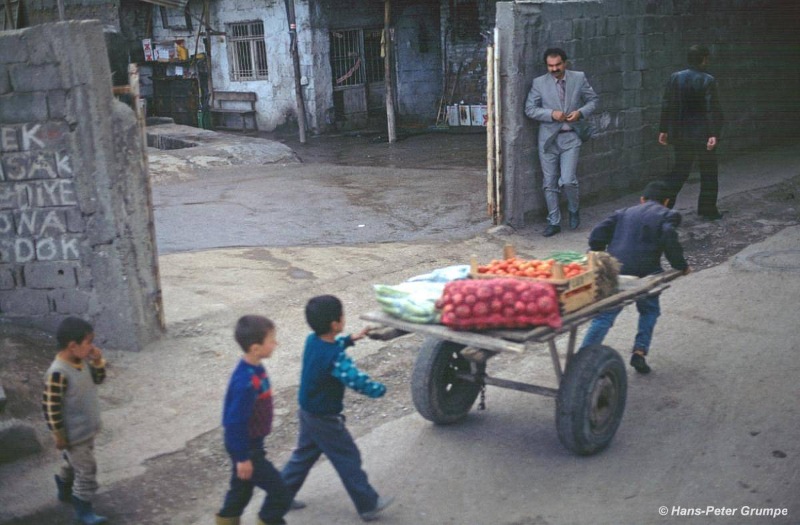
560 100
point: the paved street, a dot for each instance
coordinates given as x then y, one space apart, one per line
713 425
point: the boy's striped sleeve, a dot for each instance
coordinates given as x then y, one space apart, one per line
53 403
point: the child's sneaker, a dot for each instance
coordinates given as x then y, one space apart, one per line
381 505
638 362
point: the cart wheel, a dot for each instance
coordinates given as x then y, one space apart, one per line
591 399
438 395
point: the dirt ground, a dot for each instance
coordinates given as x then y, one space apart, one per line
172 483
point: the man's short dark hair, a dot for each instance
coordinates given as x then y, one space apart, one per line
656 191
321 311
696 54
72 329
554 51
251 330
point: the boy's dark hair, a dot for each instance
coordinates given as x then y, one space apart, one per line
72 329
554 51
251 330
321 311
696 54
656 191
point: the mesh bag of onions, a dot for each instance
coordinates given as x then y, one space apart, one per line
480 304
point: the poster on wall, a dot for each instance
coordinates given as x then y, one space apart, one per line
147 45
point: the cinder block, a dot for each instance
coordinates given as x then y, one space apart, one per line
73 302
23 302
48 275
40 51
56 103
23 107
7 281
5 82
632 80
12 49
75 221
26 78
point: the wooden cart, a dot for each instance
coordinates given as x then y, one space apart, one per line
450 369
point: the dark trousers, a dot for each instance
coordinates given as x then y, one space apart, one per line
327 435
266 477
685 155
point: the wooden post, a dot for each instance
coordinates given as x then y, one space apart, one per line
298 88
387 70
133 85
62 15
491 205
498 127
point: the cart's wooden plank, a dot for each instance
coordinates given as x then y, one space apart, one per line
476 339
518 340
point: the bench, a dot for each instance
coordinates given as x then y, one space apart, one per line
231 103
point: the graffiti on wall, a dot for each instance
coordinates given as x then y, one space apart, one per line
39 215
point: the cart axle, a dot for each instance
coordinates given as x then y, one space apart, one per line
512 385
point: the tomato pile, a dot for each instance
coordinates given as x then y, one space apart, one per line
535 268
479 304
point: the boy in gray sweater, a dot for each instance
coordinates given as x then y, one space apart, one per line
72 412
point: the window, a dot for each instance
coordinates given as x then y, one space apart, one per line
356 57
466 20
174 19
372 55
247 51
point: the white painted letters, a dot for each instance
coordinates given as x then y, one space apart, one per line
29 136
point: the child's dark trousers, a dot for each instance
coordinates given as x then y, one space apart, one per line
328 435
266 477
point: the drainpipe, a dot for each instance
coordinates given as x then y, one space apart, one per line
298 88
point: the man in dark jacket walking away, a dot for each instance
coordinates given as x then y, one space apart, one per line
637 237
691 120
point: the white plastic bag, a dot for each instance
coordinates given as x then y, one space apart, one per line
411 301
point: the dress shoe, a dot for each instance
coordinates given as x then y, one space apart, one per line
574 220
551 230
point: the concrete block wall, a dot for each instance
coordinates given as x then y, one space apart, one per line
628 48
75 215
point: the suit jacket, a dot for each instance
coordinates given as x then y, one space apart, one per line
690 109
543 99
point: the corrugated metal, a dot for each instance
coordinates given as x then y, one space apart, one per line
173 4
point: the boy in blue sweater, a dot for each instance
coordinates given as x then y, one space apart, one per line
638 236
327 369
247 419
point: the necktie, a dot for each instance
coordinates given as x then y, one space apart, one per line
562 94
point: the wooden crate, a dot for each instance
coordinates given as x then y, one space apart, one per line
573 293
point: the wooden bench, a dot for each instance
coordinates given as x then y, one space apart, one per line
227 103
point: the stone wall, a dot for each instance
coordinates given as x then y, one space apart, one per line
76 232
628 48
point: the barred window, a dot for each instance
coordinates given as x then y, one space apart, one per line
247 51
356 57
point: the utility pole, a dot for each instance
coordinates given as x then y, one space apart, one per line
298 88
387 69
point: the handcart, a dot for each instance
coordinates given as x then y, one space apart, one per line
450 370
